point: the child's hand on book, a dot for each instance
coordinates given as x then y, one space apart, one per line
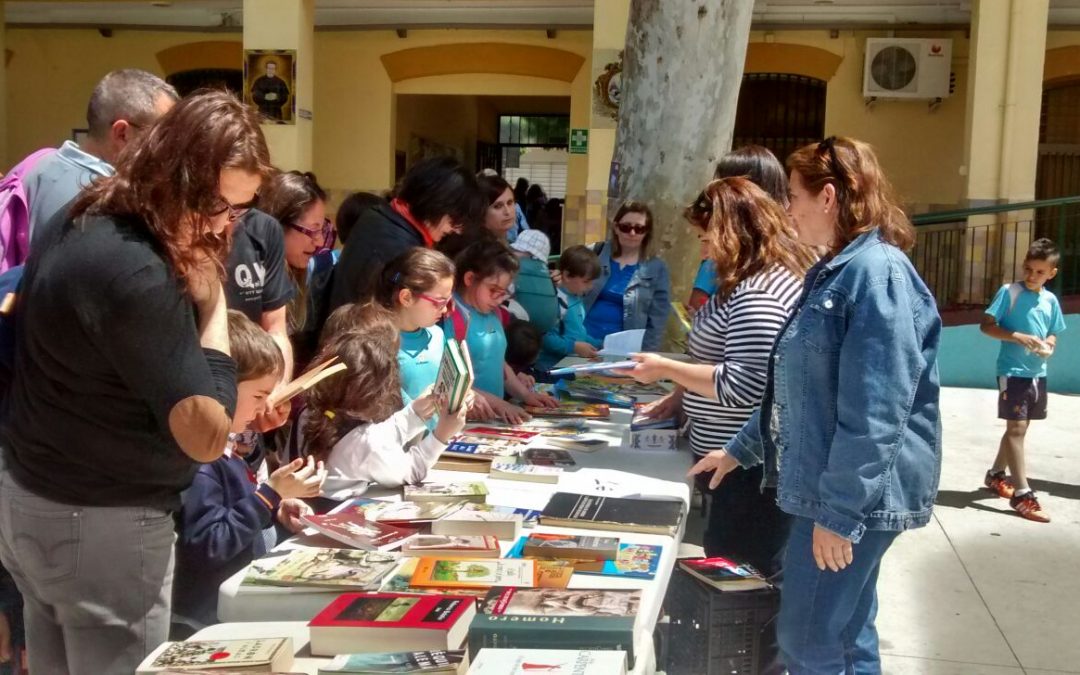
272 418
298 478
585 350
290 512
528 380
539 400
450 423
424 406
511 413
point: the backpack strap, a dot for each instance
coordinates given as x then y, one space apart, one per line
459 324
504 316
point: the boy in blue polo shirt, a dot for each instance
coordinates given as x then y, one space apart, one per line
1027 319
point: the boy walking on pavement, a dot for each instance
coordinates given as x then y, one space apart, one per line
1027 319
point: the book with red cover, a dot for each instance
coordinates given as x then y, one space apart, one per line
357 531
502 432
388 622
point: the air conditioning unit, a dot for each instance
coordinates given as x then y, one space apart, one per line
907 68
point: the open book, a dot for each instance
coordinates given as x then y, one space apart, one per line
455 375
306 381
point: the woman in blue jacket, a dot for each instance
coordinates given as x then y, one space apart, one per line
849 428
634 288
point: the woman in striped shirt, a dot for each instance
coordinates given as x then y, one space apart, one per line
760 267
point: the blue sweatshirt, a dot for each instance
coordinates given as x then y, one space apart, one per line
559 341
220 531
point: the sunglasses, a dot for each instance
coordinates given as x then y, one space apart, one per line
632 228
829 146
326 234
235 211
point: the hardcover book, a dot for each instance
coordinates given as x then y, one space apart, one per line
570 546
627 514
586 619
724 574
446 492
257 655
323 567
427 662
567 661
455 546
356 530
381 622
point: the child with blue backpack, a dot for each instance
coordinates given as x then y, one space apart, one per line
1027 318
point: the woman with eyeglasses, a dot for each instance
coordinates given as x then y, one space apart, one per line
298 203
123 385
849 428
634 287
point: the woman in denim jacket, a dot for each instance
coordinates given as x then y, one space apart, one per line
849 429
634 288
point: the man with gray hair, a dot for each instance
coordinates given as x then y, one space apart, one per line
123 104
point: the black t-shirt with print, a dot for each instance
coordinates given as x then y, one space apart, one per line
256 278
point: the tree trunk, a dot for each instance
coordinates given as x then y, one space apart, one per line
682 69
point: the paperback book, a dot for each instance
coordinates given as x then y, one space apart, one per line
481 447
380 622
523 471
447 492
572 409
354 529
724 574
256 655
323 567
591 392
401 582
482 519
570 546
566 618
567 661
455 375
634 561
627 514
502 432
621 385
447 545
641 421
401 514
302 383
548 457
472 573
426 662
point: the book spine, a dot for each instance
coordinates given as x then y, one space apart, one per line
551 632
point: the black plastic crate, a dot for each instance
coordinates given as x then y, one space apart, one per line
715 633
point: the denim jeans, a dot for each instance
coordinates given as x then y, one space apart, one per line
96 581
826 624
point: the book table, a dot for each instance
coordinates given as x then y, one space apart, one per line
615 471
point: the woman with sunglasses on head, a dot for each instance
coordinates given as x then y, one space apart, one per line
634 287
298 203
849 427
123 385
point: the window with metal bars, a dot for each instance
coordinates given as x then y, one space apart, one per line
780 111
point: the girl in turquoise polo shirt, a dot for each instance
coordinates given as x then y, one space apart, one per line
485 271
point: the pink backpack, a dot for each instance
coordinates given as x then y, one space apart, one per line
15 212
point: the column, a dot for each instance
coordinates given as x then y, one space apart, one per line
1008 45
287 24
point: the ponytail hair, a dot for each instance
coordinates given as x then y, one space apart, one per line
368 392
418 269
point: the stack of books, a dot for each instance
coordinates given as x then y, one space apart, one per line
389 622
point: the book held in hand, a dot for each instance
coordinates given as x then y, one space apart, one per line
724 574
447 492
455 375
356 530
323 567
262 655
426 662
563 618
309 379
566 509
455 546
491 661
391 622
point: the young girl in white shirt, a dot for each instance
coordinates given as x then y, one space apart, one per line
358 423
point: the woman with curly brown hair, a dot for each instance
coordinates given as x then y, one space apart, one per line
760 265
358 423
123 385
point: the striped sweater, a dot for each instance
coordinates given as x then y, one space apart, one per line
737 334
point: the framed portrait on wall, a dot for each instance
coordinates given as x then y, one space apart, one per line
270 83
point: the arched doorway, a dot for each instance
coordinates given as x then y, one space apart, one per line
780 111
188 81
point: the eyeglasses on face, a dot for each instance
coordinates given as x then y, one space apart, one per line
497 292
235 211
632 228
323 237
438 303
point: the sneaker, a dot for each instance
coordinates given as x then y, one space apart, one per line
1028 506
997 482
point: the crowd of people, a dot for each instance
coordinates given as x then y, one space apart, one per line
176 280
